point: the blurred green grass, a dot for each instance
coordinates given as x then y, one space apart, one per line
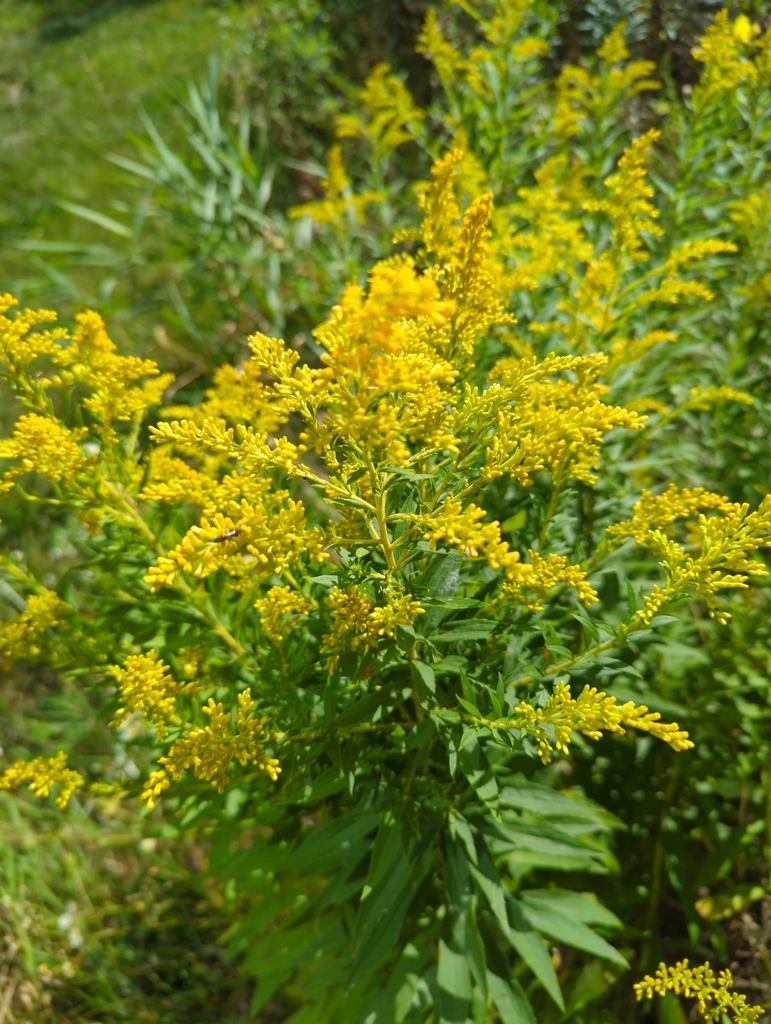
73 77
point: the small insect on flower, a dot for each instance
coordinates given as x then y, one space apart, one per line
230 535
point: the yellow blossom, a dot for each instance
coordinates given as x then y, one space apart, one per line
723 51
210 751
629 198
251 541
527 583
713 994
591 713
706 398
41 444
118 390
449 62
583 97
358 624
280 609
20 636
390 116
144 685
557 425
716 553
42 773
20 344
340 202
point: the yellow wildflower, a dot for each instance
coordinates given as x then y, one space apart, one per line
462 528
592 713
358 624
280 610
557 425
42 773
629 200
583 97
19 637
113 379
721 545
251 541
20 344
530 583
144 685
722 50
43 445
340 201
713 994
390 115
237 396
706 398
449 62
210 751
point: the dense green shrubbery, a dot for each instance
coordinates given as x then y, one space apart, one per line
415 860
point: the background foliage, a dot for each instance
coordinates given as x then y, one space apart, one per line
187 240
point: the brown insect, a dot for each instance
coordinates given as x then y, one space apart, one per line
227 536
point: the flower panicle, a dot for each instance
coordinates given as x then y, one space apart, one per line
211 750
591 713
713 993
42 773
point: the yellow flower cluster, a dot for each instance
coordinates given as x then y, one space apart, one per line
20 342
358 623
556 425
600 285
725 49
389 115
629 201
82 462
42 773
713 994
502 33
583 97
592 713
19 637
721 544
210 751
340 203
41 445
280 610
250 542
706 398
118 390
527 583
145 686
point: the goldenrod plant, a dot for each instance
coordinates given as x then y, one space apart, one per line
369 659
714 996
444 618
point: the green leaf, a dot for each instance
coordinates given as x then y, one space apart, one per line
515 522
471 708
454 981
424 679
405 637
520 932
548 803
380 916
421 734
548 917
531 948
582 906
85 213
325 580
468 690
466 629
363 709
510 1000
